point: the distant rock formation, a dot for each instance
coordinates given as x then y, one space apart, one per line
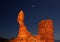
45 31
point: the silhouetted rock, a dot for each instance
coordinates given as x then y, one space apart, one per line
4 40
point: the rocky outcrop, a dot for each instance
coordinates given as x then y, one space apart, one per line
23 33
45 31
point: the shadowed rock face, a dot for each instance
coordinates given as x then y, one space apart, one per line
4 39
45 28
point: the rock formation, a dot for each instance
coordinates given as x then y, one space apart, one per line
23 34
45 28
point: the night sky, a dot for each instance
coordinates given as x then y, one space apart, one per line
35 10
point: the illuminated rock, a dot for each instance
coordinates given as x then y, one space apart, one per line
22 28
23 34
49 31
45 29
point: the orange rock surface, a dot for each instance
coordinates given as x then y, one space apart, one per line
45 31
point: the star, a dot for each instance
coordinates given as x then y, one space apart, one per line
33 6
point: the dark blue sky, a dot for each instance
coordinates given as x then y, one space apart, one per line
35 10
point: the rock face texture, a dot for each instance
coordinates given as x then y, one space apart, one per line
45 31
